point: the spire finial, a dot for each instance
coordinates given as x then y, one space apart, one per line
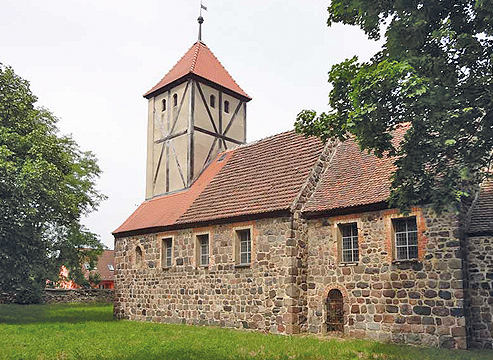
201 20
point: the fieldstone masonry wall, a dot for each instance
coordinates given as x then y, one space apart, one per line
295 263
223 294
420 302
480 286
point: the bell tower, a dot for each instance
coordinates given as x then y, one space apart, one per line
194 112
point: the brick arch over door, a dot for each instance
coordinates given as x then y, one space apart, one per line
342 289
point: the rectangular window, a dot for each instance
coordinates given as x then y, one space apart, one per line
406 238
245 246
167 252
203 247
349 243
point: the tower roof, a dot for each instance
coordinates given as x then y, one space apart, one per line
199 60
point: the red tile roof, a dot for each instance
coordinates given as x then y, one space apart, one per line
105 259
165 210
482 213
353 178
266 176
200 60
261 177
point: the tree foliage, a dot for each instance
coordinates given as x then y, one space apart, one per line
46 185
435 72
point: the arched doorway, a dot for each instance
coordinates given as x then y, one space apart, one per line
335 311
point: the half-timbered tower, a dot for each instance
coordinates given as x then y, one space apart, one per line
195 111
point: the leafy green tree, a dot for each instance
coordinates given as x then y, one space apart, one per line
434 71
46 185
94 279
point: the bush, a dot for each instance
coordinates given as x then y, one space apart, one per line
28 295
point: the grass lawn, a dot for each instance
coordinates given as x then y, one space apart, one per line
89 332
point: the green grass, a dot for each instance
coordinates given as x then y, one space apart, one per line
89 332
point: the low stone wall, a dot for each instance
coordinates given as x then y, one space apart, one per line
56 296
7 298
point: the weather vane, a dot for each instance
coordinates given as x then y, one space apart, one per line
201 19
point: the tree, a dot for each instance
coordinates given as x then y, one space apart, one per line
46 185
434 71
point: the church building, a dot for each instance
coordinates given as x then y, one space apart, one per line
288 235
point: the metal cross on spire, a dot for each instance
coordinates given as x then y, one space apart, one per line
201 19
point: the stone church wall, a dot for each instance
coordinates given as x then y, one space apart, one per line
295 263
416 302
253 297
480 286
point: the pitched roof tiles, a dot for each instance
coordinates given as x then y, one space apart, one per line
200 60
354 178
164 210
261 177
265 177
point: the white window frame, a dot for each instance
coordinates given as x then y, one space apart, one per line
406 235
353 250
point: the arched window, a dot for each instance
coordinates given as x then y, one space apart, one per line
164 105
175 100
226 107
212 101
138 255
335 311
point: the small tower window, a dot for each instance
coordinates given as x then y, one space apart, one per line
226 107
213 101
163 105
175 100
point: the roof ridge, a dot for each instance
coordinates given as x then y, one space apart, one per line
195 56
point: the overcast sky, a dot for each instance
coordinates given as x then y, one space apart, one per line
90 61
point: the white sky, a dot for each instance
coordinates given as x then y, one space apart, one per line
90 61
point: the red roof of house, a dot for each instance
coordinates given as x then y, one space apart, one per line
482 213
354 178
165 210
107 258
200 60
261 177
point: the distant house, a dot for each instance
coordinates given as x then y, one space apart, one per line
105 267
